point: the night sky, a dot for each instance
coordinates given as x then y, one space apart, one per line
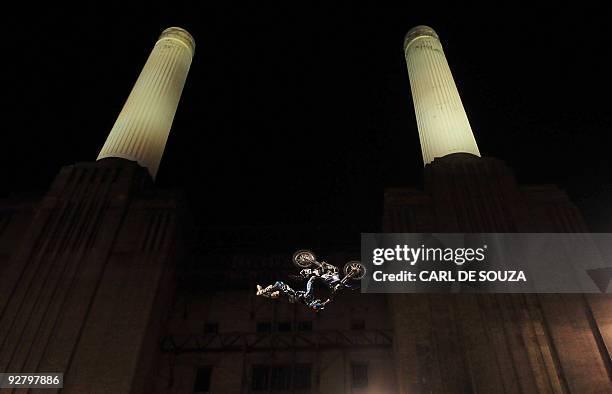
301 113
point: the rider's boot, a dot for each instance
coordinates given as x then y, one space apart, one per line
261 290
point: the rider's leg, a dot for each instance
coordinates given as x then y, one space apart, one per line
310 286
334 283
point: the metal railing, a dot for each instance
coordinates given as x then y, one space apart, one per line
269 341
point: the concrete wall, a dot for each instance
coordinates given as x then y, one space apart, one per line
85 286
502 343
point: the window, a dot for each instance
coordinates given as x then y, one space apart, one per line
357 324
211 328
280 378
265 326
283 326
301 377
259 380
202 380
304 325
360 375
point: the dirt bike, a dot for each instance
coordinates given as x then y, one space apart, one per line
353 270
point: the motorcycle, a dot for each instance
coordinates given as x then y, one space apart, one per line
353 270
312 271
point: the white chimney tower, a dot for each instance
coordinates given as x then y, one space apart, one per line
441 119
141 130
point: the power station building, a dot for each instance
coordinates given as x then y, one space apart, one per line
101 279
492 343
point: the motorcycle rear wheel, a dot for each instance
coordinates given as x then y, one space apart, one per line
357 268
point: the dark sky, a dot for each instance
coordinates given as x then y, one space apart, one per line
301 113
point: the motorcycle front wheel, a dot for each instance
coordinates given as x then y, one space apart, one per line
304 258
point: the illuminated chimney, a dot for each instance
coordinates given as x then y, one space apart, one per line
441 119
141 130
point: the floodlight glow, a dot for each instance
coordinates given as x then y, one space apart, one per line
441 119
142 128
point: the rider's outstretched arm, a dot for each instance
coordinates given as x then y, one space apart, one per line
277 286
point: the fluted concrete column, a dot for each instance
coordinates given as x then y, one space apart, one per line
141 130
441 119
